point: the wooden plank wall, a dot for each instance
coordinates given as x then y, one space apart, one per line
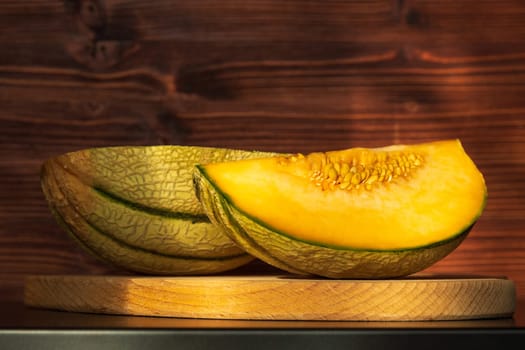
276 75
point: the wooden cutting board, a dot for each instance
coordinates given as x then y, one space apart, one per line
277 297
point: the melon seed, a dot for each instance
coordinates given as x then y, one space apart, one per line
356 178
345 168
371 179
344 185
332 173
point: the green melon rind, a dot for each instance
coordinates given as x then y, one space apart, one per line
304 257
184 236
117 253
152 186
154 177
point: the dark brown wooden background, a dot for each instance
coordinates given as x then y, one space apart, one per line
294 75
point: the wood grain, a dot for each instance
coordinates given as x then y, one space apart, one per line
277 297
265 74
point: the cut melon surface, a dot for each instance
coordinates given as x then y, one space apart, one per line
390 199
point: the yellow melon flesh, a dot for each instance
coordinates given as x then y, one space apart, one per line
439 197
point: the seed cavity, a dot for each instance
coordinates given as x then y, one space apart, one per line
364 169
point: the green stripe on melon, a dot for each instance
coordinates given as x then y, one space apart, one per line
271 209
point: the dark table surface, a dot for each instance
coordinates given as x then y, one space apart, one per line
23 327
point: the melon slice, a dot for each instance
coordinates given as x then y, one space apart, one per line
354 213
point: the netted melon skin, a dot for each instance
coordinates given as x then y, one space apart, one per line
135 208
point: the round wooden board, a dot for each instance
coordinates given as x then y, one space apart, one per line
277 297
